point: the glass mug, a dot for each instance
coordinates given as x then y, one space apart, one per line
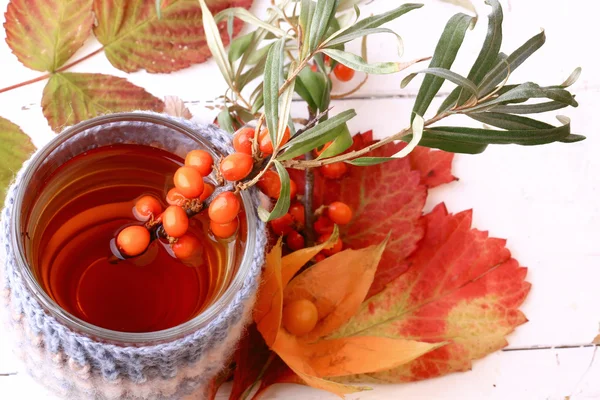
77 358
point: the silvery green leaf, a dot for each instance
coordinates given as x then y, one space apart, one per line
323 14
368 161
366 32
310 86
239 46
215 44
272 82
250 18
307 12
284 109
529 108
444 74
417 133
572 78
283 202
358 63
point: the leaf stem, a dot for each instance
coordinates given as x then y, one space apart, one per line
46 76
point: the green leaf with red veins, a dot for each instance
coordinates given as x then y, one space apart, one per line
15 148
73 97
462 287
44 34
135 38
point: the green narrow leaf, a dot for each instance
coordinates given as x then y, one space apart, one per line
307 12
340 144
530 108
444 74
526 91
358 63
283 202
225 121
488 55
417 133
506 121
324 11
310 86
451 145
572 78
248 17
215 44
368 161
513 61
366 32
238 47
443 57
252 73
285 107
15 148
272 82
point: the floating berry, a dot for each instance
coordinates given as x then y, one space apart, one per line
300 317
297 213
175 198
200 160
186 246
242 140
343 73
337 247
147 207
226 230
294 240
209 189
320 257
188 182
282 225
323 225
175 221
224 208
340 213
265 144
236 166
334 170
133 240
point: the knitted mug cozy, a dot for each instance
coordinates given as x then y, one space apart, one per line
76 366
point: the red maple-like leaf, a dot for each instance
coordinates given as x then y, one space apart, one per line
386 198
461 287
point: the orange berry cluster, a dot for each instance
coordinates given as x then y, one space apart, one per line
190 188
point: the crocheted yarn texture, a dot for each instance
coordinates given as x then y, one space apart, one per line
75 366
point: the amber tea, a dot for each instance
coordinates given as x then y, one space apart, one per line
83 206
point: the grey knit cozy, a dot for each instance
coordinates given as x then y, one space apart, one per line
76 366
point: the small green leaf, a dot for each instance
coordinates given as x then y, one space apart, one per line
526 91
284 110
358 63
443 57
310 86
272 82
444 74
513 61
225 121
249 18
323 14
368 161
283 202
340 144
215 44
15 148
239 46
530 108
417 133
307 12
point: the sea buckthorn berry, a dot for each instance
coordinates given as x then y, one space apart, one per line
334 170
283 225
320 257
337 247
186 247
323 225
327 59
265 144
300 317
133 240
242 140
340 213
318 152
294 240
200 160
209 189
297 213
293 189
343 73
226 230
188 182
236 166
270 184
147 207
224 208
175 221
314 68
175 198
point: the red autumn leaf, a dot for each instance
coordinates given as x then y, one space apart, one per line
135 38
462 287
73 97
250 359
435 166
44 34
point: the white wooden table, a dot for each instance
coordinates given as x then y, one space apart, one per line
545 200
